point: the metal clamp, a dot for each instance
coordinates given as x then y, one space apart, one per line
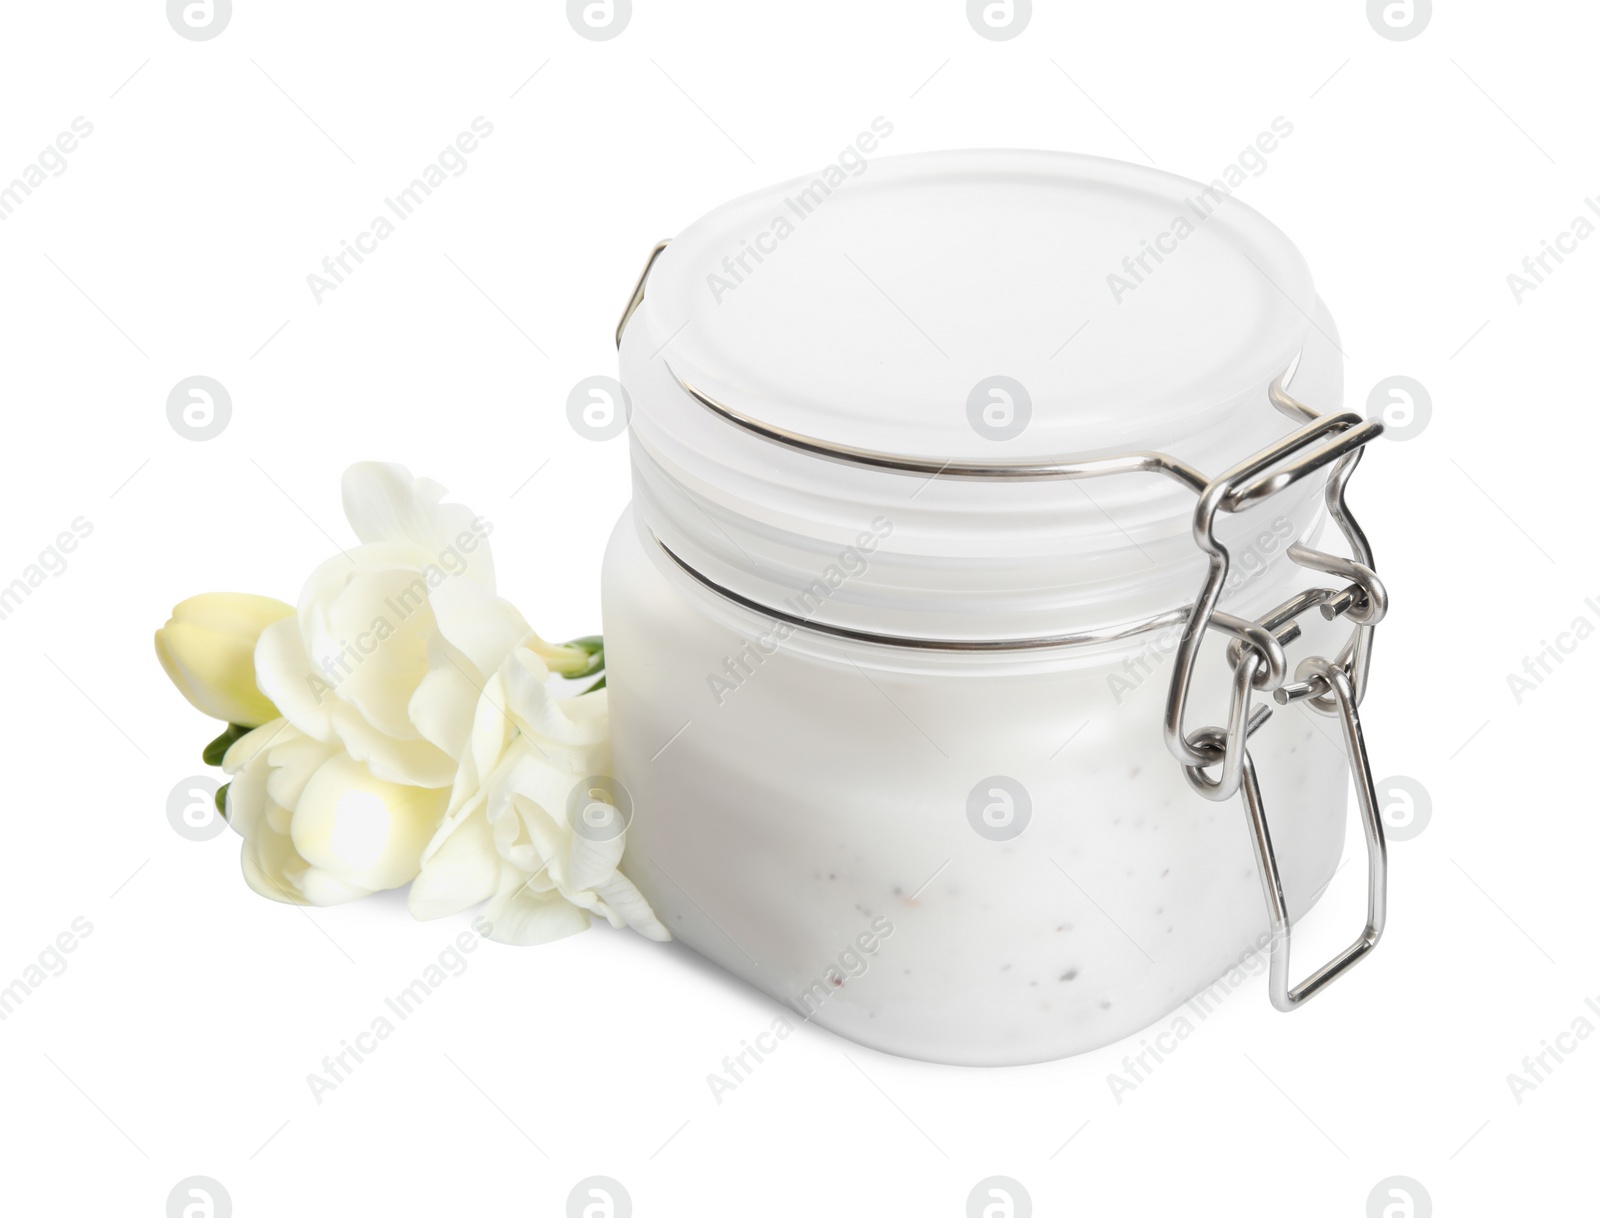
1255 653
1328 440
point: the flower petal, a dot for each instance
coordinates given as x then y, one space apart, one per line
476 622
540 713
625 906
524 918
590 863
417 763
293 760
362 830
384 503
243 750
369 639
460 868
269 862
320 888
444 706
283 671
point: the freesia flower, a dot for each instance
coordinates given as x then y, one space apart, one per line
406 731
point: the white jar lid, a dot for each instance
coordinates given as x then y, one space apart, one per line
1129 304
881 302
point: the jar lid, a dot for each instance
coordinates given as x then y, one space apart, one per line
1119 304
972 308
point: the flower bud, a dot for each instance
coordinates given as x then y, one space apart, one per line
208 650
579 658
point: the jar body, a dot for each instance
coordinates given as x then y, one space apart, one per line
837 822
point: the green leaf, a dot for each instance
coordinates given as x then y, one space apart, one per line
222 800
218 748
600 684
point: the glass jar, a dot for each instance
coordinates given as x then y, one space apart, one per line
893 619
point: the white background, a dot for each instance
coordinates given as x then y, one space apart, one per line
177 242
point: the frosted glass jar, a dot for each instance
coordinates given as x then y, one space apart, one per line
891 721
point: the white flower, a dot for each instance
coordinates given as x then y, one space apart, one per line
318 827
394 638
508 838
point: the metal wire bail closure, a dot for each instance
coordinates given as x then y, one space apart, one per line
1255 653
